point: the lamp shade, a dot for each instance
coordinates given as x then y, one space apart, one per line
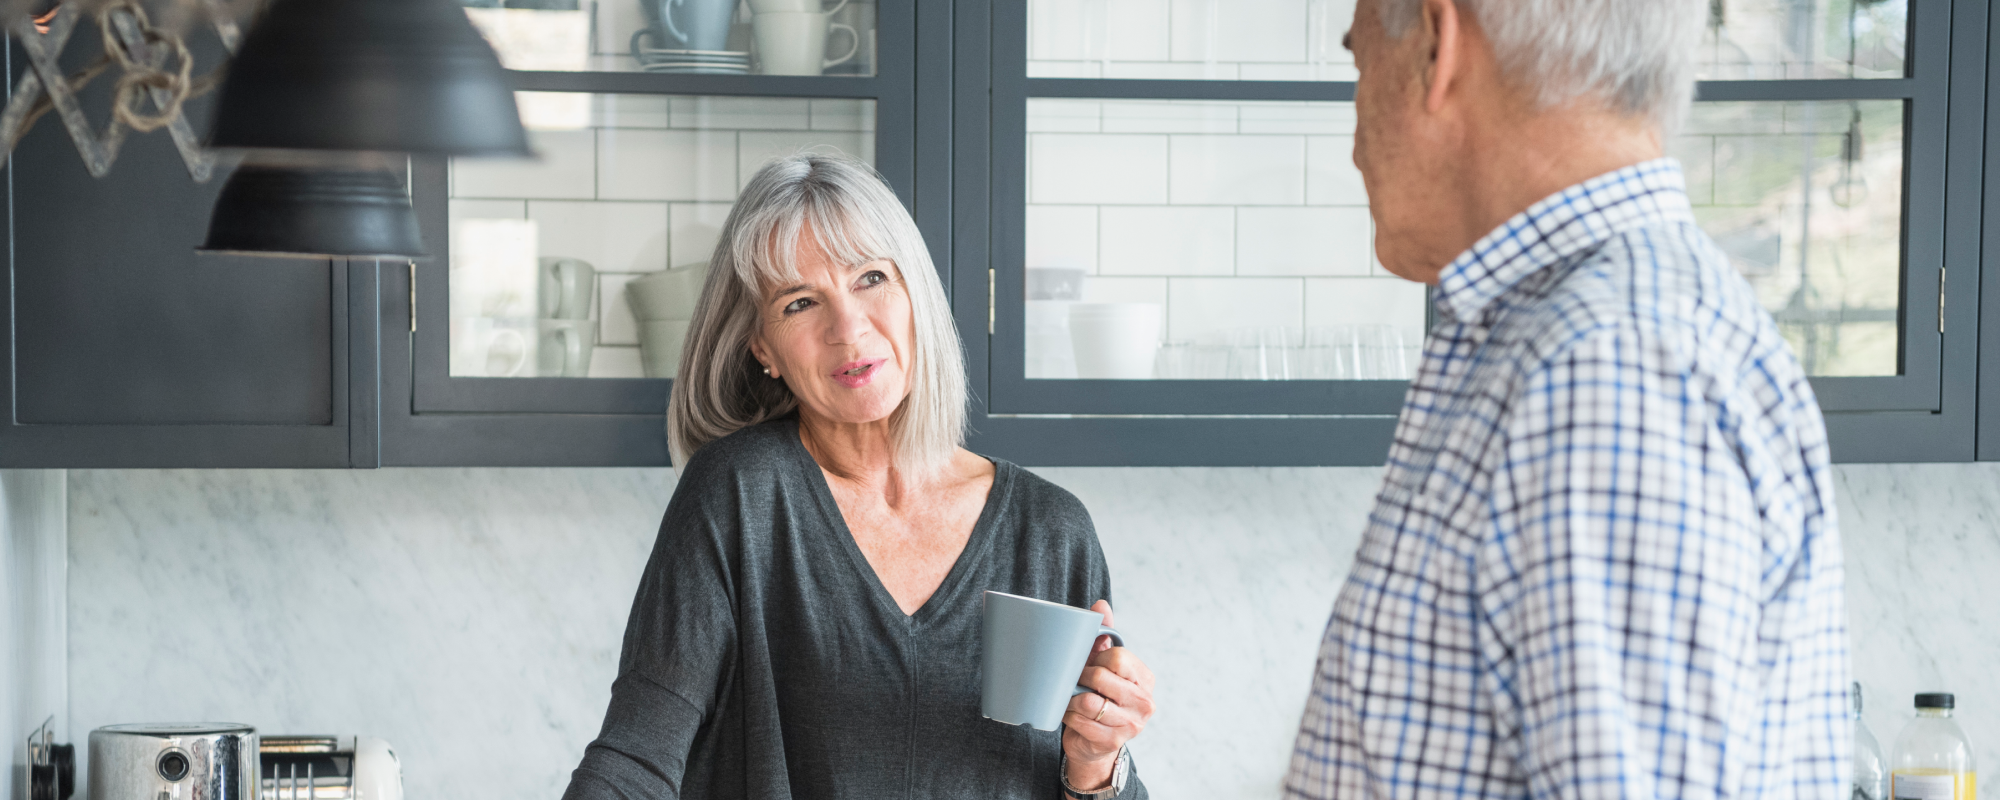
408 76
318 213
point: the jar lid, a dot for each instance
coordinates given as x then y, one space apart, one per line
1934 700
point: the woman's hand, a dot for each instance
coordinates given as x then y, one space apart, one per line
1117 707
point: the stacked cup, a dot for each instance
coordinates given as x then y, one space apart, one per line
791 36
663 303
565 331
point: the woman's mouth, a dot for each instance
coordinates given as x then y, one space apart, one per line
856 374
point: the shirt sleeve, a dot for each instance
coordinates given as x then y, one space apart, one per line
1623 578
677 649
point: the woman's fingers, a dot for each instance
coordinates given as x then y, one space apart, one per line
1125 663
1103 607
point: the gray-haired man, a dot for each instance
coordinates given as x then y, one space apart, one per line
1603 562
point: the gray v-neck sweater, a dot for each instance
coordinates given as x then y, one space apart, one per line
763 658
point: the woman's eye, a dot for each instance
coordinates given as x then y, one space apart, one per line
874 277
798 305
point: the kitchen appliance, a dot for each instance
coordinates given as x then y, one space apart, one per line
328 768
167 761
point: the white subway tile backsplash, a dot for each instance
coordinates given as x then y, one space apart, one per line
1367 301
1197 307
1138 116
1065 116
1086 168
742 113
1100 289
1115 30
1321 118
564 169
666 165
617 325
1303 241
489 209
841 114
629 111
616 362
1062 236
694 230
1239 30
1167 240
758 147
1238 170
1065 69
1331 177
613 237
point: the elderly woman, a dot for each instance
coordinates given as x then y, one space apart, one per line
808 625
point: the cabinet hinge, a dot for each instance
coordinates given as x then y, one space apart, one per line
990 313
413 297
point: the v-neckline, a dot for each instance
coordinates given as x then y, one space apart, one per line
975 544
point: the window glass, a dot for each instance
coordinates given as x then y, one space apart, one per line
1807 199
585 261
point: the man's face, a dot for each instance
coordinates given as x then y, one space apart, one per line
1401 149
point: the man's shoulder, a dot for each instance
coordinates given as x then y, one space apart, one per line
1668 290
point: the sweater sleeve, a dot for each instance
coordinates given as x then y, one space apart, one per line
678 647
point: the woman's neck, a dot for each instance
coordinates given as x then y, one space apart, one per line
863 453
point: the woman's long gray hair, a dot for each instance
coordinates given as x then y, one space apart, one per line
854 218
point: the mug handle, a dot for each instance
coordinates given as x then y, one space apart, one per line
855 47
835 9
636 36
573 353
1116 641
520 360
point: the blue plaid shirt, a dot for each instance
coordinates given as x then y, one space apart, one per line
1603 562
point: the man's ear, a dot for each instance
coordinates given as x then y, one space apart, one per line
1443 27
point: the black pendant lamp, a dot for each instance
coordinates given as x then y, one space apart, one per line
409 76
314 212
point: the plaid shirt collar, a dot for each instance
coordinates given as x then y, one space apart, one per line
1561 225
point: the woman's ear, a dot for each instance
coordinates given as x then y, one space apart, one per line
762 354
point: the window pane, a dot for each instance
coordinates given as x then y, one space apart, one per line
1300 40
1807 200
798 37
1790 39
560 266
1206 240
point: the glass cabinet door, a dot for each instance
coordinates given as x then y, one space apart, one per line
683 37
586 263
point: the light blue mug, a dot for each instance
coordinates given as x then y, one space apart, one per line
1032 652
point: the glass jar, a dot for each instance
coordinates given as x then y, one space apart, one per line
1933 759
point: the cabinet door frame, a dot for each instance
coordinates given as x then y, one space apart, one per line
1922 414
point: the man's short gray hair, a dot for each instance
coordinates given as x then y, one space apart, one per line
1636 56
855 218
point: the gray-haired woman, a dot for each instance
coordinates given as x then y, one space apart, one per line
808 625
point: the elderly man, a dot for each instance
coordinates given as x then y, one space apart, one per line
1603 562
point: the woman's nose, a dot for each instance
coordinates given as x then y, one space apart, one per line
848 323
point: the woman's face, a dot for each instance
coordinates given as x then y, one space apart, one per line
842 338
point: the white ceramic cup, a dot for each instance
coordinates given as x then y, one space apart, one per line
1115 340
812 6
660 343
667 294
567 287
794 42
491 347
563 347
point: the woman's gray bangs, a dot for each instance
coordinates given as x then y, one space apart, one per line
846 227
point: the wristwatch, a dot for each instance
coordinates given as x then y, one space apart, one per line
1120 771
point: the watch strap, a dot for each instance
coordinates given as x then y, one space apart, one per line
1119 770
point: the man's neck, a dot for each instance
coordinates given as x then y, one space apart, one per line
1511 165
